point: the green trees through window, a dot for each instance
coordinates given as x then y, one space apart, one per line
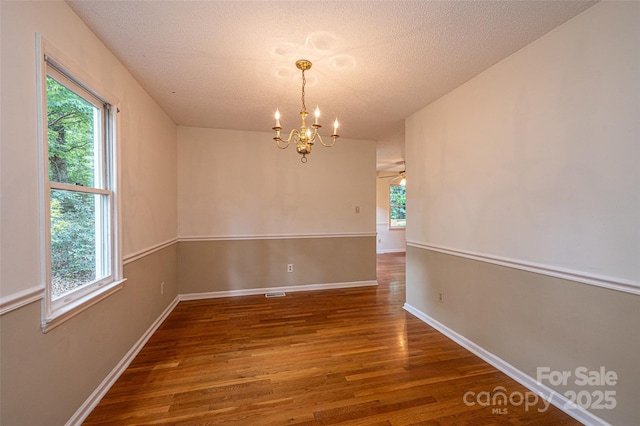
78 195
70 130
397 206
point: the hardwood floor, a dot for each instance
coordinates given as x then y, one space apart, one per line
349 356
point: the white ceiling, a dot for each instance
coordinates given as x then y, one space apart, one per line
229 64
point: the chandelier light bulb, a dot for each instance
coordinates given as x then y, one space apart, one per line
277 118
317 113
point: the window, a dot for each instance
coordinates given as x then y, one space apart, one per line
79 199
397 206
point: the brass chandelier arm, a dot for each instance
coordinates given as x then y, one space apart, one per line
294 135
278 143
328 145
287 141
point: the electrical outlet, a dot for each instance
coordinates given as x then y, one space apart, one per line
162 287
441 297
290 267
379 240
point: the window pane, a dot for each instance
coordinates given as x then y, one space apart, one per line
397 206
78 246
73 126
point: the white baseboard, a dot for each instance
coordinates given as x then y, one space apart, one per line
85 409
254 291
543 391
385 251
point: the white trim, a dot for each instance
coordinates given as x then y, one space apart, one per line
116 215
24 297
254 291
387 227
78 306
20 299
147 251
79 188
271 236
619 284
90 403
555 398
385 251
51 61
59 59
43 188
150 250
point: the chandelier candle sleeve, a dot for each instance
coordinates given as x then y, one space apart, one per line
305 137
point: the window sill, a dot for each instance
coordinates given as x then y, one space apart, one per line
72 309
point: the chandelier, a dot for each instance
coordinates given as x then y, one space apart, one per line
305 137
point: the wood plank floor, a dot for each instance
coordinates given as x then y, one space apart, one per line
350 356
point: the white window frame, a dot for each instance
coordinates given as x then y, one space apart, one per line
56 311
391 227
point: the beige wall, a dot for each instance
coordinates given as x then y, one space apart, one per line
232 265
535 164
45 378
235 183
532 320
241 223
537 158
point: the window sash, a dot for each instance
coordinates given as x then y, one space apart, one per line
78 188
102 164
103 259
66 305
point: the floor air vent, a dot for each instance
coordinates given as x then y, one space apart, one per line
276 294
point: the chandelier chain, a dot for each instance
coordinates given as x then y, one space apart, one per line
304 82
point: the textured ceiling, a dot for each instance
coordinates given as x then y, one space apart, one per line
229 64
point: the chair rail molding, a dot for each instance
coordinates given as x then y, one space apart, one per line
619 284
21 298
